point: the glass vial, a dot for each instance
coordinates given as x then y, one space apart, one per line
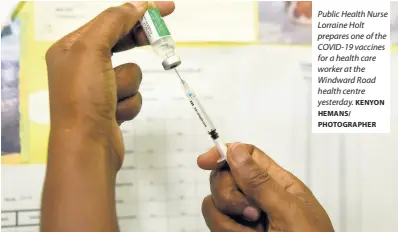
159 37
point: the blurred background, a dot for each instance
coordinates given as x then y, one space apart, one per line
10 142
250 65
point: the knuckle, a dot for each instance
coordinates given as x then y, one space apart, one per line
139 96
224 201
116 14
212 220
205 205
223 197
135 71
213 176
139 72
137 108
131 110
51 53
134 112
134 67
257 177
80 46
251 148
111 11
216 177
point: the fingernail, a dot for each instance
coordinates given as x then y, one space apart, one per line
139 4
251 213
239 153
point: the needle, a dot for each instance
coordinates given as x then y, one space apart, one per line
211 130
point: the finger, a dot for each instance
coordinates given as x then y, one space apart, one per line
129 108
217 221
288 181
284 178
136 36
126 42
255 182
114 23
128 80
138 32
208 160
165 7
227 197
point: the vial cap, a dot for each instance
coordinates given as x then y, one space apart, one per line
171 62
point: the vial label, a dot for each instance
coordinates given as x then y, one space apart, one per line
153 25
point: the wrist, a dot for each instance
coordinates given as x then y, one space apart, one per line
81 124
82 147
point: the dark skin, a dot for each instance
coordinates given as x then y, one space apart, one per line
89 99
277 200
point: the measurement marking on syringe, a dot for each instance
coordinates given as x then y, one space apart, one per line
197 112
191 97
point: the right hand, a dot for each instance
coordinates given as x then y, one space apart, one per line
256 194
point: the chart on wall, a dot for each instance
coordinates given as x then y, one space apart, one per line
10 92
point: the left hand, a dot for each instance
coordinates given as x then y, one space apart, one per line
88 97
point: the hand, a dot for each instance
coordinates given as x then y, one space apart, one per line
254 187
88 97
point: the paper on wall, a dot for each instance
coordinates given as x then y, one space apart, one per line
192 21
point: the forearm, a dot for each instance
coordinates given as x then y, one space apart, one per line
79 188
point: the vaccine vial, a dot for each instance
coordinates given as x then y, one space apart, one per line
159 37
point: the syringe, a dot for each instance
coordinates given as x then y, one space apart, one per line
163 44
211 130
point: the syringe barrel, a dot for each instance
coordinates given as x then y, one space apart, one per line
160 38
197 106
201 113
211 130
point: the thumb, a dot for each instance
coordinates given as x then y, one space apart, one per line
256 183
